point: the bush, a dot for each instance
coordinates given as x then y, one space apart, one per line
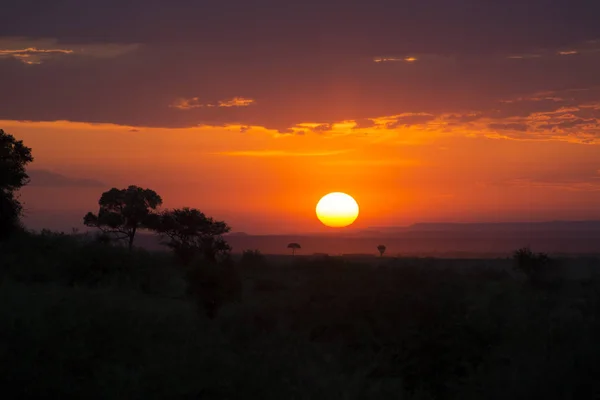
79 260
534 266
253 258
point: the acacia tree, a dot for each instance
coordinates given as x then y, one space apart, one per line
124 211
294 247
381 248
14 156
189 232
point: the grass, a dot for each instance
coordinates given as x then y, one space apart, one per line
80 319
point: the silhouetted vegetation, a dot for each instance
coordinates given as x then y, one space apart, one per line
381 248
190 234
252 258
294 247
81 318
536 267
14 156
123 212
78 311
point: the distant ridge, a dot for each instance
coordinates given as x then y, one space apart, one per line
560 225
428 239
490 226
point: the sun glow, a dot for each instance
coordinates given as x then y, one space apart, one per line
337 210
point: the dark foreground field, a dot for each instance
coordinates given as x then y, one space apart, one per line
84 320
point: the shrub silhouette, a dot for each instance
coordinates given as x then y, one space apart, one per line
381 248
531 264
191 233
14 156
123 212
252 258
294 247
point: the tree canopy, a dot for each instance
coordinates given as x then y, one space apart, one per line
294 247
124 211
14 156
189 232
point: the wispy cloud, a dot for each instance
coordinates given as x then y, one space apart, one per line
281 153
187 104
576 186
237 102
194 102
523 56
32 55
373 163
587 47
567 52
37 51
508 127
409 59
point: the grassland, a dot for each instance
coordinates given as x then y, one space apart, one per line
84 320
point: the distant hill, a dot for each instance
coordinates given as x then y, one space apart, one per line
422 239
507 226
431 239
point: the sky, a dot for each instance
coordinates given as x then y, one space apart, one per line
423 111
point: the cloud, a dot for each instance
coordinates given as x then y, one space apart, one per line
364 123
523 56
187 104
568 124
237 102
32 55
571 186
280 153
254 77
407 59
45 178
373 163
461 118
508 127
542 96
320 128
37 51
580 48
194 102
409 119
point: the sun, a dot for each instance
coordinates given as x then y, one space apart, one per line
337 210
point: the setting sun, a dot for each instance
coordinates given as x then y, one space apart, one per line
337 210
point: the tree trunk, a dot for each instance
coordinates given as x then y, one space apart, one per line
131 236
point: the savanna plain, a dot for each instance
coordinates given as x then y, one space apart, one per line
82 318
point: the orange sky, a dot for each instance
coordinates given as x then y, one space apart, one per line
262 181
432 111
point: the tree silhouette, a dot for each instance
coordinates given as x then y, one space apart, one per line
294 247
124 211
190 232
530 263
14 156
381 249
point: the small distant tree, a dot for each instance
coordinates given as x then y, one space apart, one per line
294 247
189 233
531 264
123 212
381 249
14 156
